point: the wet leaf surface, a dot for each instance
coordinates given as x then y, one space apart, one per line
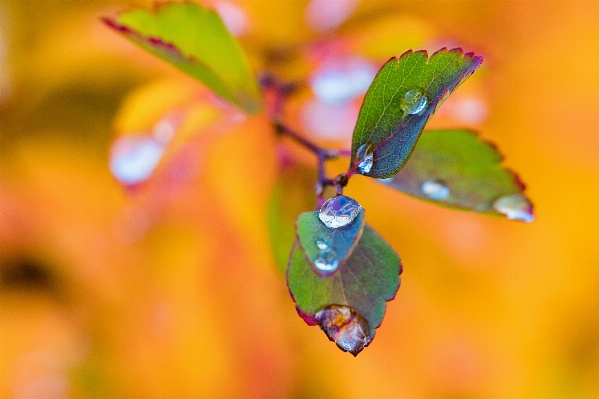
404 94
368 279
456 168
195 40
314 237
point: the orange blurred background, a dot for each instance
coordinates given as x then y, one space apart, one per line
169 289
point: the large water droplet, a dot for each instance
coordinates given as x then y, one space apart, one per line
323 242
326 261
435 189
339 211
515 206
345 326
414 102
364 158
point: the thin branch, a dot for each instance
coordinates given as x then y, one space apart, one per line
279 91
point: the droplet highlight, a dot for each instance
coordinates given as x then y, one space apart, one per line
326 261
134 157
339 211
414 102
339 81
435 189
323 242
515 207
345 327
365 158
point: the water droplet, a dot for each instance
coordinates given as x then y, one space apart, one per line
364 158
134 158
414 102
323 242
345 326
386 180
339 211
515 206
435 189
327 261
339 81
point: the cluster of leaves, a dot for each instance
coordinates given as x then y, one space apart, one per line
448 167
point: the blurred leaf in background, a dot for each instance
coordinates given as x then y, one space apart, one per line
168 287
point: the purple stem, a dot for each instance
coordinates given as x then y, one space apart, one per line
281 91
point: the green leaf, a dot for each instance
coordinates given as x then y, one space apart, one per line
361 287
293 193
195 40
457 169
341 241
384 121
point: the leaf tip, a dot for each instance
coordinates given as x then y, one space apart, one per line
405 53
344 326
111 23
441 50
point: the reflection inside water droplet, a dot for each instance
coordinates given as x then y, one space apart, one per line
326 261
345 327
515 206
414 102
323 242
339 211
364 158
435 189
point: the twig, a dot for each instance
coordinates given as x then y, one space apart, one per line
279 92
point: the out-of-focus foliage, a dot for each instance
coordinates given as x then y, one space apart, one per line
195 40
112 293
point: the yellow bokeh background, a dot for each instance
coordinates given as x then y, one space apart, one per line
171 290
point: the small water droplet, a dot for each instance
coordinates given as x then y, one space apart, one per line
345 326
323 242
435 189
414 102
386 180
364 158
327 261
339 211
515 206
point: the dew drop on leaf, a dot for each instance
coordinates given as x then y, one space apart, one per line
435 189
326 261
345 327
414 102
339 211
323 242
364 158
515 206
